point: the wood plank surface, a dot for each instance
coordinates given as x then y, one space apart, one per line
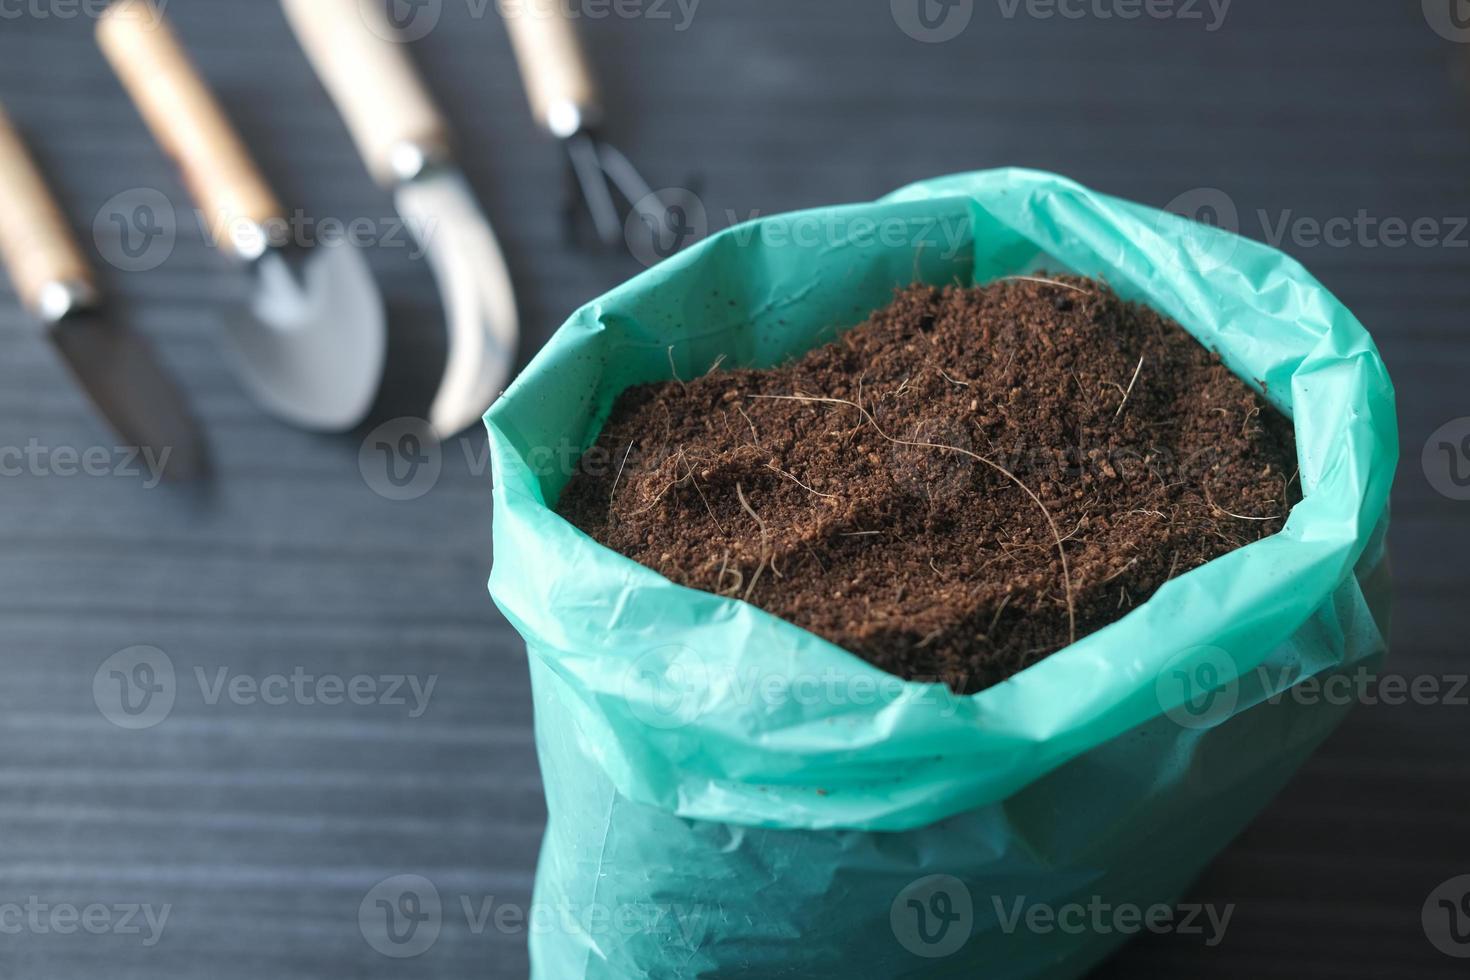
263 827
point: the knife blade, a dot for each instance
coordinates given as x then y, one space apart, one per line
114 365
402 138
310 343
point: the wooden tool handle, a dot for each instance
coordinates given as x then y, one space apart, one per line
186 121
552 63
34 238
362 61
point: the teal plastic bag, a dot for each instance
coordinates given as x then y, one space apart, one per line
729 795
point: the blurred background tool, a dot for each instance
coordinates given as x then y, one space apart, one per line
564 100
310 344
114 365
404 141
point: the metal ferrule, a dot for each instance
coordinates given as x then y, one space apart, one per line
565 119
60 299
249 241
411 159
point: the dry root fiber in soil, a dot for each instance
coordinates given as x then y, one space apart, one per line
957 487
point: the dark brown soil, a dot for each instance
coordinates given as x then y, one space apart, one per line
920 530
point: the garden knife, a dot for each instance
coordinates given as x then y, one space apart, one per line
114 365
311 341
363 64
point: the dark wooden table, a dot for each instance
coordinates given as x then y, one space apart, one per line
262 827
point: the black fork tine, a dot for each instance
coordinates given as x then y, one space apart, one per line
586 160
603 175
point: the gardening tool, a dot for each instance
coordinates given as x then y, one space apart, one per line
403 140
114 365
311 341
564 101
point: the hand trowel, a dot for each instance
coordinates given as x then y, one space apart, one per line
115 366
310 343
